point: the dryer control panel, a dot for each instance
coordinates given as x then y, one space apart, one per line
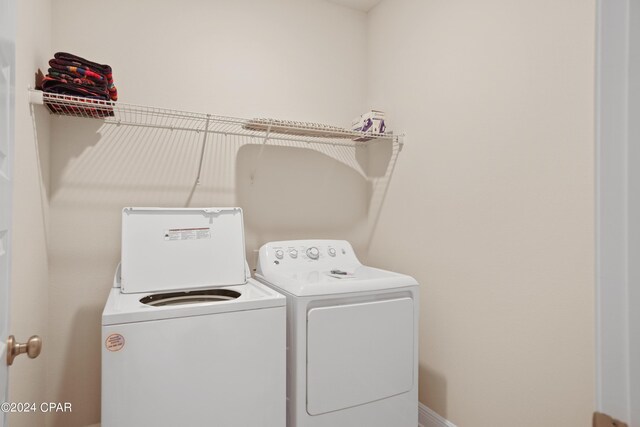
321 267
309 254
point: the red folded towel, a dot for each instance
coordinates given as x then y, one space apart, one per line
81 67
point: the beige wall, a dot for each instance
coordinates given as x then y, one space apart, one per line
276 58
30 281
491 203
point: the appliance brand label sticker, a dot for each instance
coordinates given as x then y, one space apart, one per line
187 233
114 342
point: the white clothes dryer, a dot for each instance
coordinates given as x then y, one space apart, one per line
188 339
352 336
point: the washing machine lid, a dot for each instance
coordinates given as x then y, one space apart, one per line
181 248
360 278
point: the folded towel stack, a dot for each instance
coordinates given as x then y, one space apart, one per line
75 76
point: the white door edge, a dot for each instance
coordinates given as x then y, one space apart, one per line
7 123
613 326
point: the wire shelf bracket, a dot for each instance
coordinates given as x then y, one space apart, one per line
204 144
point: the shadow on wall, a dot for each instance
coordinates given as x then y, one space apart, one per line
436 389
97 164
288 189
81 365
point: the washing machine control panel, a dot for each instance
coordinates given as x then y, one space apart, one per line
309 252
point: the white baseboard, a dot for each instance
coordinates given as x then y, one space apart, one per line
429 418
426 418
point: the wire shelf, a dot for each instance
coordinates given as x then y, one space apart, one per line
121 113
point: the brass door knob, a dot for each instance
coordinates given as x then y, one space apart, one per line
31 347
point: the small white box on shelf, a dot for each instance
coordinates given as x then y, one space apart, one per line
370 122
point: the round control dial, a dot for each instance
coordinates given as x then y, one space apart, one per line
279 253
332 252
313 253
293 253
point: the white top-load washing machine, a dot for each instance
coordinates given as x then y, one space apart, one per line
188 338
352 336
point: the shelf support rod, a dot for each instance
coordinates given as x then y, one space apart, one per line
204 144
266 137
252 177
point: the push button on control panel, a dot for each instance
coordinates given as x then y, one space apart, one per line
293 253
279 253
332 252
